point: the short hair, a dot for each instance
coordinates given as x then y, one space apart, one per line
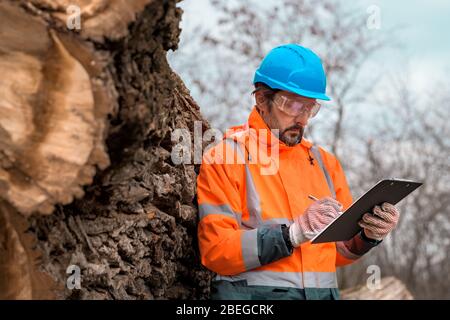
267 91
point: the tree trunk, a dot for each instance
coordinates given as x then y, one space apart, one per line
86 176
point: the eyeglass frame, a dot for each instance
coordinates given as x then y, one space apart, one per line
312 107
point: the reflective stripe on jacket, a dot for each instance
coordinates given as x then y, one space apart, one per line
242 209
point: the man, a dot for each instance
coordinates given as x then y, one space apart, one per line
255 227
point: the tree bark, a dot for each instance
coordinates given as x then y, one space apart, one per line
86 176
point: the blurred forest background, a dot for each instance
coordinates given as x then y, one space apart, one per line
388 116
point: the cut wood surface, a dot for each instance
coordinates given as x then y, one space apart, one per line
51 124
390 288
86 176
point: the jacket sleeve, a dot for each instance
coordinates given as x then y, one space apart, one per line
349 251
225 248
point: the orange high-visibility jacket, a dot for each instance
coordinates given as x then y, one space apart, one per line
242 209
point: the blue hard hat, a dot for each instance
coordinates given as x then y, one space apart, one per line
293 68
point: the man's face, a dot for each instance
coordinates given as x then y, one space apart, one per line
291 128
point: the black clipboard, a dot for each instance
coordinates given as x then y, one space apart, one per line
345 226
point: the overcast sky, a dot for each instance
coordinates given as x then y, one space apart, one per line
422 27
425 32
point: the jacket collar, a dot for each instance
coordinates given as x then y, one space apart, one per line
255 121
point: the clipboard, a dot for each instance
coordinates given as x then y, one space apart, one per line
345 226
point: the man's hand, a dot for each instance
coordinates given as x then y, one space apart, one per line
383 220
316 217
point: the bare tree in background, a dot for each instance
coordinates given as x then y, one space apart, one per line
412 143
247 30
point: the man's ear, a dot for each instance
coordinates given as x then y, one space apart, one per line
261 102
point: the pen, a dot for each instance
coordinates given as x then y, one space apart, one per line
315 199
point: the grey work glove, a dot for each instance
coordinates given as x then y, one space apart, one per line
383 220
316 217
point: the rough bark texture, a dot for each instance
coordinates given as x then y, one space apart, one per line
90 117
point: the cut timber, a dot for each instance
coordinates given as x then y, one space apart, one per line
390 289
19 277
51 128
86 176
100 18
15 279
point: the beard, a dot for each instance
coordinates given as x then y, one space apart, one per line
292 135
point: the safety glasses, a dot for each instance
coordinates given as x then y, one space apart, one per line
295 105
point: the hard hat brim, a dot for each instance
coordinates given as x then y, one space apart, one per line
287 87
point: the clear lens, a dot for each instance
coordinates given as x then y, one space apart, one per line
314 109
296 106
